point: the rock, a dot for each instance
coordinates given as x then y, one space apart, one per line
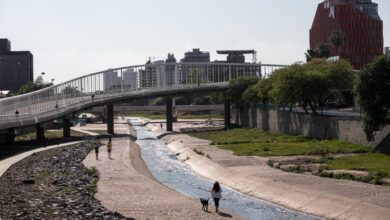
28 181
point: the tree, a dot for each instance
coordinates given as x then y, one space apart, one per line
337 39
373 92
309 85
35 85
323 50
70 91
311 54
238 86
263 89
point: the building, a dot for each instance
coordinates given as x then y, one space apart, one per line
387 51
16 67
170 70
114 81
154 74
236 56
361 24
196 56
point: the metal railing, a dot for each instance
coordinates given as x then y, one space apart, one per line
125 82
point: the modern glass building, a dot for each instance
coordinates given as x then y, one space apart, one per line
361 24
16 67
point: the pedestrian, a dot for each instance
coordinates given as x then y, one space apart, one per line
97 151
109 147
161 126
216 194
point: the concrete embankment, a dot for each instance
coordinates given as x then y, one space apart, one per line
322 204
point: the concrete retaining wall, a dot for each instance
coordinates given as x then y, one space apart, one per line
317 127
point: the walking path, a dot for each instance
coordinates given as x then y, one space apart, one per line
324 197
127 187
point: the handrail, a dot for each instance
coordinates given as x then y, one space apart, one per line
126 81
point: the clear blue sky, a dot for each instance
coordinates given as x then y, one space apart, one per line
70 38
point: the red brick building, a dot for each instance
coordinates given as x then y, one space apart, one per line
361 24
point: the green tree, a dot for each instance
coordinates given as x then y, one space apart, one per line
311 54
70 90
373 92
309 85
35 85
286 85
323 50
238 86
337 39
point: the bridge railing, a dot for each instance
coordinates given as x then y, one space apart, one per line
125 81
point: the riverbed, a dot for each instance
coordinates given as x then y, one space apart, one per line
175 174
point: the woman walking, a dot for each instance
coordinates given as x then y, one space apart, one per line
97 151
109 147
216 194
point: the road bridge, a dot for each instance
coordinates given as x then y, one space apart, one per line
116 85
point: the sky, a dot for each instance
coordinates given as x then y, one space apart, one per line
71 38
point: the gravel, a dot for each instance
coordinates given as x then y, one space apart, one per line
52 184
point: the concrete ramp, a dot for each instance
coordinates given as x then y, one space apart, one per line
382 141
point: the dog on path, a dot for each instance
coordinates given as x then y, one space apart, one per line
205 204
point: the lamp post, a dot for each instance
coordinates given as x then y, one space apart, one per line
1 85
17 63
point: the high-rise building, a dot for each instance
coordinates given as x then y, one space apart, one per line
170 70
358 20
16 67
114 81
196 55
153 75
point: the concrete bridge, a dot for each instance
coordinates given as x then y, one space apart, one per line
108 87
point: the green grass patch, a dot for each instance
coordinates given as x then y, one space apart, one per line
246 142
374 163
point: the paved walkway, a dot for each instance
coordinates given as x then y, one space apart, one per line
127 187
325 197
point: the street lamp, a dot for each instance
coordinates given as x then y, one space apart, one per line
1 86
17 63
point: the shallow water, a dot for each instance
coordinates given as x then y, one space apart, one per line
175 174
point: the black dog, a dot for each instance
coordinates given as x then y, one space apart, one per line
205 204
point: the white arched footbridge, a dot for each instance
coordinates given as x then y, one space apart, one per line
113 85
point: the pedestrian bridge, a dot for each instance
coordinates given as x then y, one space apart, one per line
119 84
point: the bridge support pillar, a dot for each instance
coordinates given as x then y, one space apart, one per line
10 136
110 118
40 131
227 112
66 128
169 113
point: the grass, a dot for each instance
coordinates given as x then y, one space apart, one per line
48 135
374 163
92 188
246 142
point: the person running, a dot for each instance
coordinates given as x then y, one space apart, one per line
109 147
216 194
97 151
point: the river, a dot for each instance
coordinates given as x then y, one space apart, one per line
170 171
